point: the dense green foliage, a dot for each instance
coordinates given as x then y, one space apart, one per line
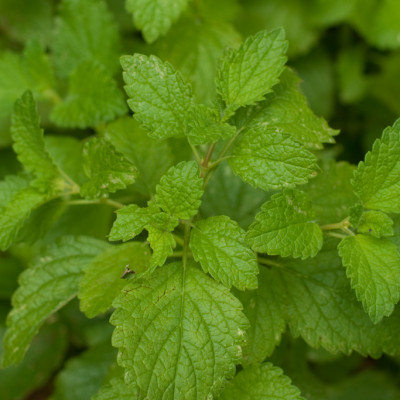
180 217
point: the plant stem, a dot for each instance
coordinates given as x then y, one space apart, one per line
206 160
176 254
268 262
196 154
339 225
109 202
178 240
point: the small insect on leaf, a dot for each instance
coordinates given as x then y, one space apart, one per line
127 272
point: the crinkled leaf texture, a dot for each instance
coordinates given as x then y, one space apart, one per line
376 223
373 265
376 180
247 74
179 334
261 382
107 169
116 389
162 243
155 17
218 244
44 288
180 190
268 158
285 226
158 96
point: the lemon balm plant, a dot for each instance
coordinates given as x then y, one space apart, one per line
231 225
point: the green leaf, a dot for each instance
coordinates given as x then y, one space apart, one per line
376 223
373 267
151 156
116 389
179 334
286 110
102 281
270 159
376 180
264 382
158 96
246 75
180 190
108 170
29 143
93 97
155 17
84 31
285 227
267 321
218 244
44 288
162 243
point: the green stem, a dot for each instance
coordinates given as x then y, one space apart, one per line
268 262
176 254
206 160
196 153
336 235
178 240
339 225
109 202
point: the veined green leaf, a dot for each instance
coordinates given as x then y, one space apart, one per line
44 288
162 243
179 334
116 389
285 227
159 97
108 170
217 243
376 180
376 223
373 265
246 75
268 158
155 17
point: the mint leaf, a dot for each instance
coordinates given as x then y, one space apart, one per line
285 227
84 31
376 223
373 267
376 180
269 159
170 342
162 243
267 320
217 243
158 96
93 97
116 389
102 281
44 288
180 189
155 17
108 170
29 143
263 381
247 74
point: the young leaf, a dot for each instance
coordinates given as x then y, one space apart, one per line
29 143
376 223
373 267
93 97
158 96
217 243
108 170
180 190
170 342
269 159
162 243
155 17
376 180
247 74
263 381
116 389
84 31
45 288
285 227
102 281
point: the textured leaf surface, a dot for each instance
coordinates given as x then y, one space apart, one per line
247 74
267 320
44 288
102 281
159 97
93 97
285 227
218 244
162 243
84 31
373 265
180 189
376 223
108 170
376 180
268 159
116 389
155 17
261 382
179 334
